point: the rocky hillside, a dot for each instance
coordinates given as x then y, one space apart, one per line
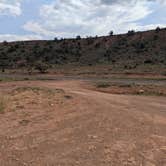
127 51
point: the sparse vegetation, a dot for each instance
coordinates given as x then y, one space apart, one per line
24 122
157 29
111 33
130 88
37 90
2 104
103 85
68 97
131 33
42 67
78 37
120 50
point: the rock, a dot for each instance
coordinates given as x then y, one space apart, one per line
141 91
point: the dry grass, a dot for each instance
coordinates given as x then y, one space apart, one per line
103 85
2 104
120 88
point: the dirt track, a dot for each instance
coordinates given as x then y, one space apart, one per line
78 126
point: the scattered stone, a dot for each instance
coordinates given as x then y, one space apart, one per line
92 148
141 91
93 136
52 105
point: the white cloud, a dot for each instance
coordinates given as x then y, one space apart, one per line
68 18
12 37
10 7
162 2
37 28
149 27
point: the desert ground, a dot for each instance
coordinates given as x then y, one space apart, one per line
69 121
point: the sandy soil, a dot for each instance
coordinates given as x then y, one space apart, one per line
63 123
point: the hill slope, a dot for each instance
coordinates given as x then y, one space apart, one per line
127 51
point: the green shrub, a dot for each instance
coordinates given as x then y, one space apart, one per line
111 33
131 33
42 67
157 29
78 37
103 85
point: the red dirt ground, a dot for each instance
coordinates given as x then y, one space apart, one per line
62 123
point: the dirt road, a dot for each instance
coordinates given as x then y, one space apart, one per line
76 126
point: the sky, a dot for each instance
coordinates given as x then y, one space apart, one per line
47 19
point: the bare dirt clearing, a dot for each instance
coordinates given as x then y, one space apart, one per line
64 123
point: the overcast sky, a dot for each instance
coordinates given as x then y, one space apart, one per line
46 19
